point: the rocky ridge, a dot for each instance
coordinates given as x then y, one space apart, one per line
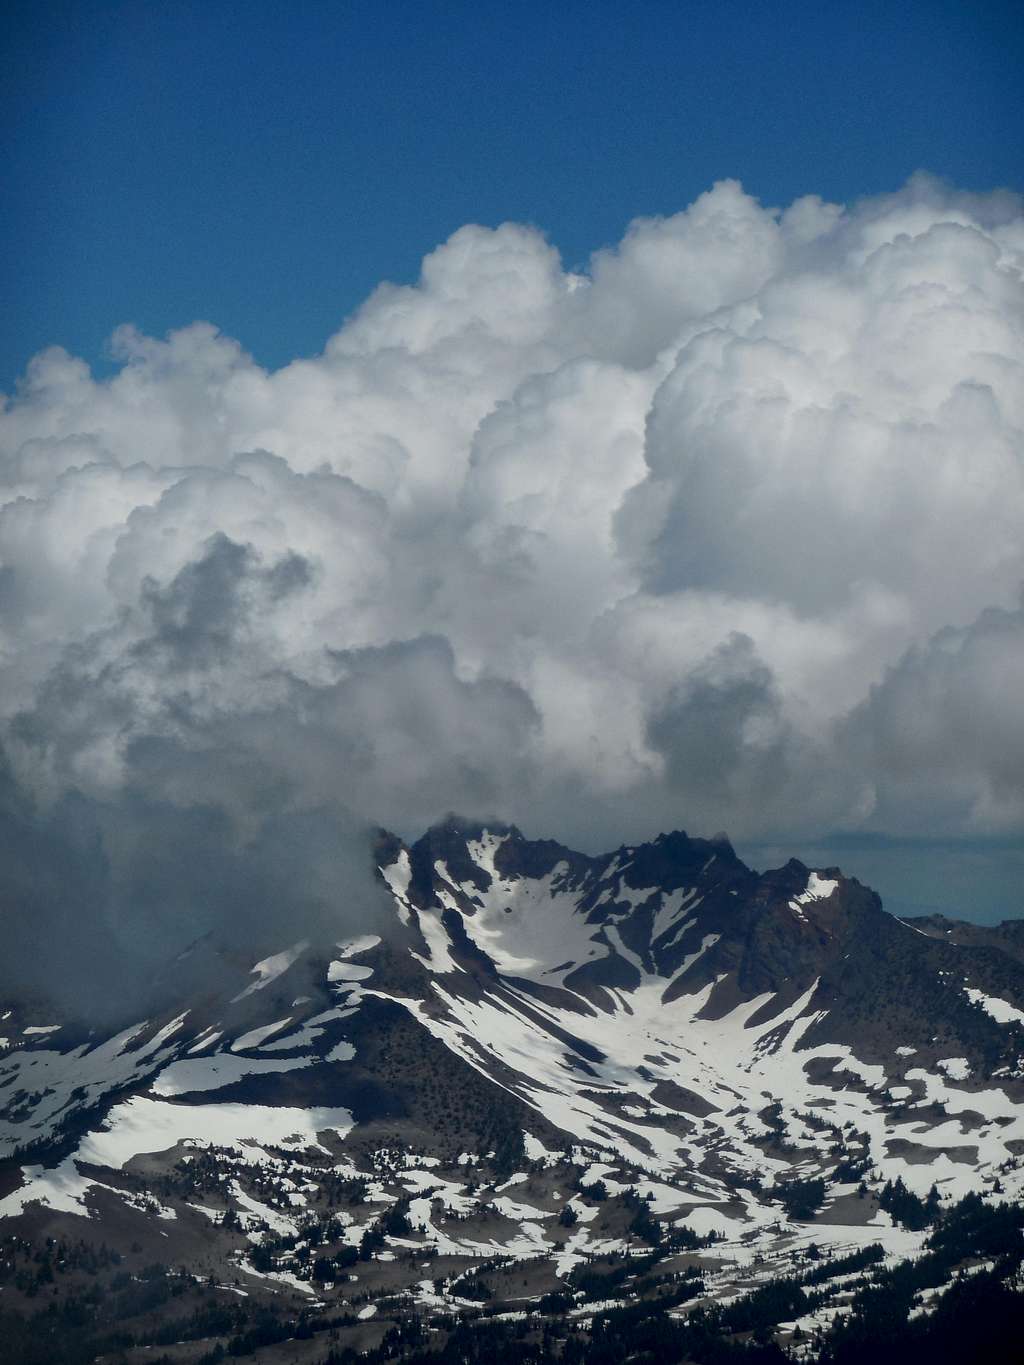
558 1061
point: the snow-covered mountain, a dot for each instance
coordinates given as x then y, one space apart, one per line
533 1057
660 998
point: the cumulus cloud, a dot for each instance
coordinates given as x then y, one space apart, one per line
941 738
724 530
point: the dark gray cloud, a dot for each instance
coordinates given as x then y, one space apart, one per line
941 737
721 732
238 818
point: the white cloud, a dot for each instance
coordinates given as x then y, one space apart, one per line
666 271
725 532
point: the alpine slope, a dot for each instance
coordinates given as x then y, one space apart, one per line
542 1059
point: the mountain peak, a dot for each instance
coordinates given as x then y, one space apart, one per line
687 1045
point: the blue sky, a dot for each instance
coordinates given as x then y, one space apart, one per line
574 586
263 165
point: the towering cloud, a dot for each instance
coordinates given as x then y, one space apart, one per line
726 531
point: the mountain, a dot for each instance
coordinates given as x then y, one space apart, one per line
544 1087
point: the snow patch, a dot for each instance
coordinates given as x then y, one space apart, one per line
213 1073
818 889
999 1010
271 968
256 1036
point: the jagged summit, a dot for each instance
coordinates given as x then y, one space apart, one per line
552 914
529 1022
